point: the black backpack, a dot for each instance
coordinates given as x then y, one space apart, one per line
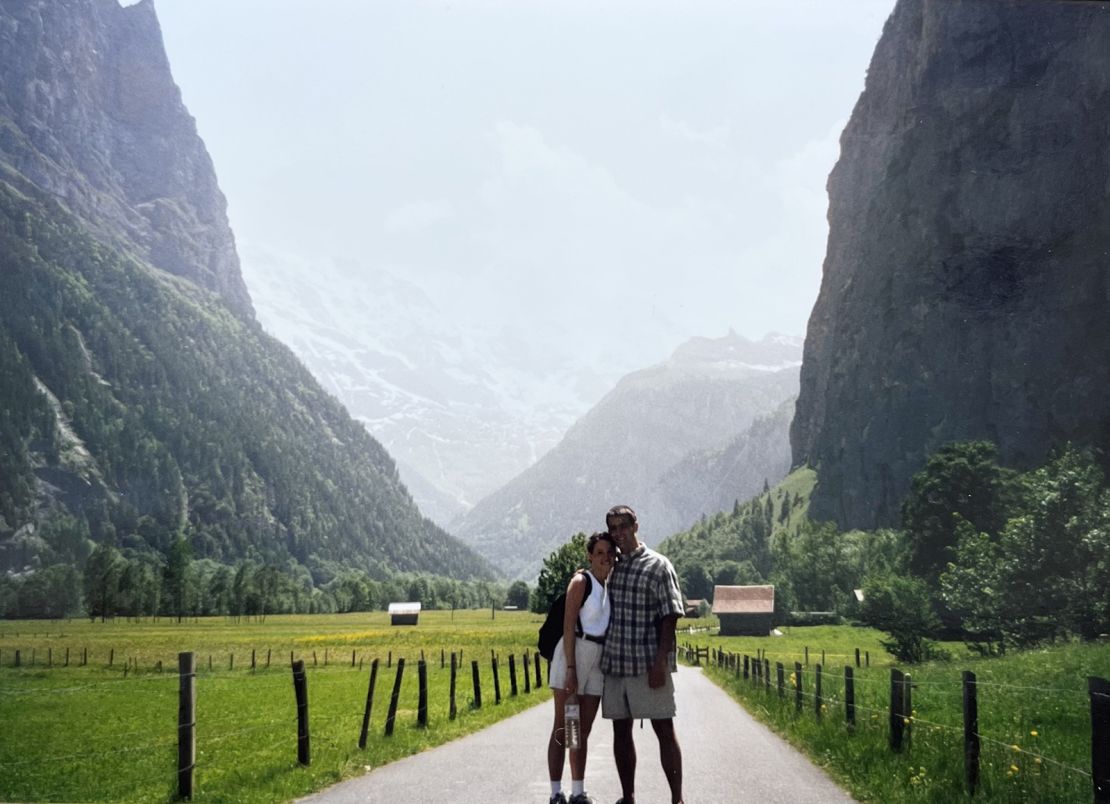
552 629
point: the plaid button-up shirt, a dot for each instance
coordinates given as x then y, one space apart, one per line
643 589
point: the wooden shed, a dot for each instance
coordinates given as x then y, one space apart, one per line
744 610
404 613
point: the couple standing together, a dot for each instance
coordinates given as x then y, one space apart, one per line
617 650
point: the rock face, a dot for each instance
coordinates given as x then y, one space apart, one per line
140 400
667 440
966 289
89 112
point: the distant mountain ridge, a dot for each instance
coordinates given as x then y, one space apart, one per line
143 403
631 447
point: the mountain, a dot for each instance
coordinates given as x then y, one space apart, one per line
142 401
966 287
463 408
709 392
714 480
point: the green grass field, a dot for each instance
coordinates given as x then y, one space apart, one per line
109 733
1034 716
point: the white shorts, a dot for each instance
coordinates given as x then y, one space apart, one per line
587 666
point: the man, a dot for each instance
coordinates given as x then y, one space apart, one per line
636 661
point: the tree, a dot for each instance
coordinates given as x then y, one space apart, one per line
101 582
176 576
518 595
902 608
557 570
1048 574
960 481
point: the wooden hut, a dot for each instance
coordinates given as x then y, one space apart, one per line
404 613
744 610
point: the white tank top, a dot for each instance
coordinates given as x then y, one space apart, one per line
594 614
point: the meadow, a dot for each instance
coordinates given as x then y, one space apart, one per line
1034 715
107 730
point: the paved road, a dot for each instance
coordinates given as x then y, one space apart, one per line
727 756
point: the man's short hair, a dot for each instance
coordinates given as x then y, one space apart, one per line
621 511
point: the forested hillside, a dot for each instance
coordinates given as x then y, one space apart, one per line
141 407
154 440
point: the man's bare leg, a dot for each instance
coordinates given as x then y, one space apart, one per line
624 752
670 755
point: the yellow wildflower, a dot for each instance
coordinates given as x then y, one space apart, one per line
1033 733
1014 769
1016 747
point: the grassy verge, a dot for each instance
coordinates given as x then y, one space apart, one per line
94 733
1034 717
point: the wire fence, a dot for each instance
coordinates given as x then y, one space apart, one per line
227 698
895 704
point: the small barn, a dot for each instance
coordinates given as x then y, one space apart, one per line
404 613
744 610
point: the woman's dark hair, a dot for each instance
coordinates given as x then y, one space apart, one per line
597 537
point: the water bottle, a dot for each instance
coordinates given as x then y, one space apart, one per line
572 723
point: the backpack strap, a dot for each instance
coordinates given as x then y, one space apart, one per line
578 630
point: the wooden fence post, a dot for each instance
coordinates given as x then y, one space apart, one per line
300 689
67 657
781 678
907 710
817 691
111 656
1099 690
16 658
527 675
477 684
442 659
536 656
395 697
896 724
496 681
746 667
798 685
453 711
849 695
268 652
857 657
767 674
807 655
369 705
353 653
422 700
512 675
253 665
186 724
971 732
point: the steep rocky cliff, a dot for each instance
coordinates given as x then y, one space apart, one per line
89 112
140 401
966 289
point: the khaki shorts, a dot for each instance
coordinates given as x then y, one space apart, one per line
587 667
630 697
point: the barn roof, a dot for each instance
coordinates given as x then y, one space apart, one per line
743 599
404 608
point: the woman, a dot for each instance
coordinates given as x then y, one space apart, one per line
575 667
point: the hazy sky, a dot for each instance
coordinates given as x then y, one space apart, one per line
638 171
